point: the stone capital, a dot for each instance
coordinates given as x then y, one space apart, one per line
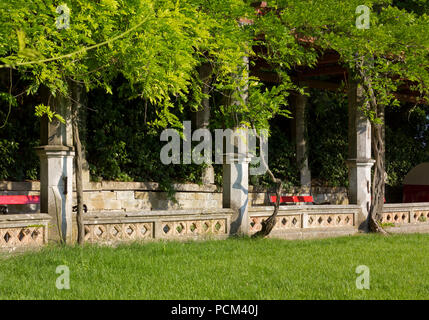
53 151
230 158
360 162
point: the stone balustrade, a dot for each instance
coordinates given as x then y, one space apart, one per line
308 221
111 227
19 231
406 217
23 230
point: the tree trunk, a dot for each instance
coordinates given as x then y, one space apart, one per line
268 225
378 182
76 95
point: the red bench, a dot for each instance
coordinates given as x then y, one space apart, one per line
19 200
293 199
8 200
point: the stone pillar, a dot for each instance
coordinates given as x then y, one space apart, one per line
301 143
236 167
56 170
359 162
236 191
202 117
56 187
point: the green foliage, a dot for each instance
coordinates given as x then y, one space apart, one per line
158 46
17 141
327 119
422 219
7 148
281 157
122 146
43 110
387 225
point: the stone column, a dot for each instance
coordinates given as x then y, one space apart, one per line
301 143
359 162
202 117
236 190
56 170
236 167
56 189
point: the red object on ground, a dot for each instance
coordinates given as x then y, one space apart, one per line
19 200
415 193
294 199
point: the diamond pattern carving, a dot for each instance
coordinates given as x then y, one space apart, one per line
22 237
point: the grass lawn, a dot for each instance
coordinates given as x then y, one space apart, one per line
231 269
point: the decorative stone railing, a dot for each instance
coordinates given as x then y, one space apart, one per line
110 227
23 230
308 220
406 213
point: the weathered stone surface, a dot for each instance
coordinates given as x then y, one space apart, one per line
20 186
99 196
133 205
56 174
23 230
195 188
142 195
185 195
125 195
115 185
304 217
409 228
98 205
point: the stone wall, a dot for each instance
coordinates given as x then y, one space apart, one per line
135 196
19 231
112 227
406 217
308 221
22 231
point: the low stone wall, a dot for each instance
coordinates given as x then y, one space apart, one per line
112 227
406 217
308 221
19 231
134 196
293 222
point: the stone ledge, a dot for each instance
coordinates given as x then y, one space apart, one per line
154 186
25 217
409 228
147 186
405 206
305 208
151 214
302 234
